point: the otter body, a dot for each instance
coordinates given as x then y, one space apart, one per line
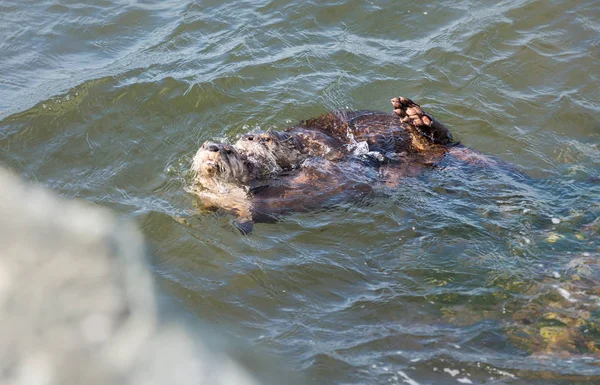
409 131
269 173
281 151
226 180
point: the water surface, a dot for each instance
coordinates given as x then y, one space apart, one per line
460 276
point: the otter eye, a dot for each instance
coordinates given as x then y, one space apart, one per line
267 139
250 137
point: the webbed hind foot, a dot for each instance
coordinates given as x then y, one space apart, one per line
411 113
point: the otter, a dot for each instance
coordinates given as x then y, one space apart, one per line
279 151
408 133
269 173
225 179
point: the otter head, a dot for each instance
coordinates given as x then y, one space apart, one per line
220 162
273 150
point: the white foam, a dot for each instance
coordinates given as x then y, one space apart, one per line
407 379
566 295
359 148
451 372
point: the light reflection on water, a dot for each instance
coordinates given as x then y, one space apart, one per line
459 270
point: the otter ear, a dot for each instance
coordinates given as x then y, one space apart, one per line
244 225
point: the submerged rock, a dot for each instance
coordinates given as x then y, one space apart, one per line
78 305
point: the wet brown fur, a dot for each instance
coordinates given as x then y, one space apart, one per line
331 135
225 179
240 178
279 151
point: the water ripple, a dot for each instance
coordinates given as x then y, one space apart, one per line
461 274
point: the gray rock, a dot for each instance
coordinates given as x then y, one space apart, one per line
78 305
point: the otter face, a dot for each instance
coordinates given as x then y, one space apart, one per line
220 162
272 149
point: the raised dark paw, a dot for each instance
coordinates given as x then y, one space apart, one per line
411 113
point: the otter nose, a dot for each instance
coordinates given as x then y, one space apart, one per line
213 147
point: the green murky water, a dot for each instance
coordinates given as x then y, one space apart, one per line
462 276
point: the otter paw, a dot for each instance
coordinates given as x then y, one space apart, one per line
410 112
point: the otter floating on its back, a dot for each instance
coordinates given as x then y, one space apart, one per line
226 180
408 131
271 172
